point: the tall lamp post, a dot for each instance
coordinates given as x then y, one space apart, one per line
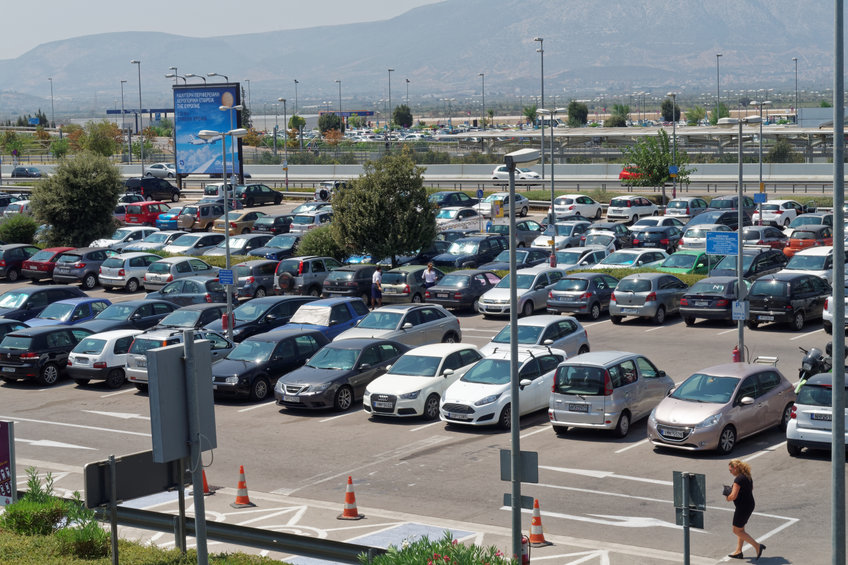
232 110
718 87
761 103
124 121
249 107
286 139
512 161
296 82
175 76
741 290
192 75
276 127
674 145
482 138
389 119
407 92
340 104
551 215
795 60
141 113
225 77
52 109
541 52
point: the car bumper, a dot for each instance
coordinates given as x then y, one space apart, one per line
112 281
317 401
392 406
706 313
812 439
152 285
642 311
90 373
36 275
470 415
495 309
450 303
65 279
580 420
686 438
136 375
767 316
23 371
348 293
560 306
232 390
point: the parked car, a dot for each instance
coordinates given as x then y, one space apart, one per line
532 285
101 357
731 202
455 214
349 280
126 270
170 219
482 396
275 224
484 207
27 172
764 235
632 259
262 315
169 269
718 406
689 262
452 235
12 259
787 297
778 212
6 200
710 298
39 354
254 279
237 221
727 218
80 265
462 289
416 382
410 324
580 257
526 231
161 170
501 172
451 198
695 237
686 207
576 204
303 275
152 188
155 241
811 417
406 284
544 330
145 213
330 316
813 261
207 315
24 303
130 315
423 256
129 198
191 290
215 190
564 235
623 236
241 244
810 219
630 208
17 207
326 189
252 369
582 294
197 217
606 390
69 312
336 376
756 262
277 248
662 237
808 236
311 207
827 315
524 258
257 193
194 244
122 237
647 295
305 221
471 251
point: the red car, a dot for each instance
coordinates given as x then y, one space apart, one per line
144 213
40 266
629 172
808 236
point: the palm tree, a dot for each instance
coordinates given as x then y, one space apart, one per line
529 114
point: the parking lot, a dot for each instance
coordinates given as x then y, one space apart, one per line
603 499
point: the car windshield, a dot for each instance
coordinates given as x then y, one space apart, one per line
282 241
493 197
633 285
488 371
599 239
804 234
116 312
157 237
457 281
13 299
333 358
57 311
617 258
527 335
807 262
120 233
186 240
16 342
769 288
521 281
706 287
463 248
90 346
446 214
568 257
252 351
68 258
580 379
235 243
680 261
340 276
722 203
706 388
728 262
805 221
572 284
380 321
140 346
181 319
416 366
815 395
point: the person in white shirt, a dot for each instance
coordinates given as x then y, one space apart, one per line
377 288
430 276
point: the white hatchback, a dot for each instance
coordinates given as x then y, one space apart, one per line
101 357
630 208
576 204
778 212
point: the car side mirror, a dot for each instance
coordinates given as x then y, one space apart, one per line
271 317
447 372
547 342
388 368
661 374
136 316
406 326
523 383
746 400
364 366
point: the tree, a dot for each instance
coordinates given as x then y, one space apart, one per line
78 200
529 113
618 118
652 157
782 152
694 115
327 122
578 114
385 212
355 122
59 147
723 112
668 106
320 242
402 116
102 138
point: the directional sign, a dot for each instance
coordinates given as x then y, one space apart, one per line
672 171
225 276
722 243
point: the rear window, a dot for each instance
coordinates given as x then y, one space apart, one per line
633 285
572 284
770 288
620 203
241 271
113 262
394 278
815 395
721 203
189 211
303 220
706 287
579 379
159 267
340 276
134 209
43 255
678 204
68 258
143 345
90 346
16 342
801 234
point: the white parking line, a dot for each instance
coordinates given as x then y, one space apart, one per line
637 444
534 432
728 331
655 329
340 416
806 334
590 324
260 405
125 391
426 426
771 449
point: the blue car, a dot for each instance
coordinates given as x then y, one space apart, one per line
330 316
170 219
69 312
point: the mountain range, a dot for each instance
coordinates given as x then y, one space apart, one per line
591 47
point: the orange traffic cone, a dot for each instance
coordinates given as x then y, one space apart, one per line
242 500
350 512
206 491
537 536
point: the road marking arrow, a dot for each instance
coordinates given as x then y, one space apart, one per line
121 415
48 443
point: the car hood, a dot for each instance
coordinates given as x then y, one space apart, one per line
675 412
400 384
450 258
462 392
311 375
496 266
263 251
104 242
723 272
366 333
142 246
35 322
501 294
233 367
542 240
98 326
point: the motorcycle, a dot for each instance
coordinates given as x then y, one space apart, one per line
813 363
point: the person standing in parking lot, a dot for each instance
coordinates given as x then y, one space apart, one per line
429 276
377 288
742 496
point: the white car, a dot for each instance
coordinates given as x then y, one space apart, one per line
630 208
154 241
455 214
483 396
533 287
123 237
416 383
811 421
126 270
484 208
778 212
410 324
161 170
548 330
695 237
827 314
101 357
576 204
580 257
601 238
633 258
813 261
19 207
501 172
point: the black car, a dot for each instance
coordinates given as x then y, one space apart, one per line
195 316
253 194
462 289
756 262
424 255
659 237
349 280
722 217
787 297
523 258
130 315
26 172
623 235
278 247
251 369
274 224
731 202
452 235
39 354
25 303
469 252
152 188
447 198
336 376
710 298
12 257
262 315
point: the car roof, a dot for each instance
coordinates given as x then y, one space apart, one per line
783 276
722 279
408 268
116 334
133 254
648 276
706 226
359 343
203 306
811 227
280 334
738 370
819 250
542 319
600 357
43 330
333 301
80 300
440 349
471 272
255 262
34 289
525 352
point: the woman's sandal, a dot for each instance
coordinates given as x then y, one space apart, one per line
736 555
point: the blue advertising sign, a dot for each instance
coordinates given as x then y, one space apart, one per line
722 243
225 276
33 121
196 108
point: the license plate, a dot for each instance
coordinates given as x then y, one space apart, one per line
8 369
823 417
766 318
455 416
379 404
390 290
141 363
649 244
630 310
287 398
81 360
578 408
674 433
441 295
699 302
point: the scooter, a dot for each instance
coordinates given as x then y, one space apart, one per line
814 362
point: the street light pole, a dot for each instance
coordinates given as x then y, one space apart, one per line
795 60
718 88
541 52
249 107
761 103
141 113
389 119
674 145
407 92
52 108
296 82
286 140
276 127
225 77
482 138
340 105
124 121
192 75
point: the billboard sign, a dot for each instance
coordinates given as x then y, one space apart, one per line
196 108
7 464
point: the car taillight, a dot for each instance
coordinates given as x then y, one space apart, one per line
761 242
69 362
664 242
457 296
100 270
300 269
427 294
684 302
607 384
2 262
170 278
792 412
121 273
635 241
778 212
826 303
97 365
550 294
571 207
682 242
586 296
208 297
722 302
29 355
406 289
79 265
652 297
612 297
233 225
687 209
250 280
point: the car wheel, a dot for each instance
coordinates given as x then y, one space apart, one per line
689 320
475 306
786 416
659 317
523 212
89 281
344 399
245 230
13 275
752 325
277 200
527 310
316 292
431 407
149 197
798 321
416 298
793 449
656 213
828 327
365 298
115 378
622 428
149 175
595 311
248 203
616 319
505 419
260 292
520 245
260 389
450 337
175 197
560 431
170 175
132 285
727 440
141 387
48 375
81 382
583 349
598 214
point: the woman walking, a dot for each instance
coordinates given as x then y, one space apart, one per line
742 495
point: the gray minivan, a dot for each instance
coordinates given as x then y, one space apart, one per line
605 390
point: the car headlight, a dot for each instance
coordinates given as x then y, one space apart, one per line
488 400
652 417
321 387
278 387
410 395
711 421
232 380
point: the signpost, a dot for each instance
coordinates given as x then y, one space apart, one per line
690 502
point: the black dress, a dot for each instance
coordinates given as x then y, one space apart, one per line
744 501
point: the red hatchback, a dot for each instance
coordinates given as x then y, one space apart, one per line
144 213
40 266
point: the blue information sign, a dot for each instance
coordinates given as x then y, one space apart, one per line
760 197
722 243
225 276
479 193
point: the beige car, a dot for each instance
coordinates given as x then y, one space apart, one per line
200 216
239 221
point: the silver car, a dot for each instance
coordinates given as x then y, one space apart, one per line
241 244
155 241
647 295
169 269
126 270
607 390
561 332
695 237
564 235
194 243
410 324
533 287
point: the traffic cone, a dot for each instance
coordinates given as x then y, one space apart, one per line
206 491
242 500
350 512
537 536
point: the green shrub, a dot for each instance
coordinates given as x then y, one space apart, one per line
320 242
82 535
446 551
20 228
34 518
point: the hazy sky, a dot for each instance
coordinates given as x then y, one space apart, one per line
60 19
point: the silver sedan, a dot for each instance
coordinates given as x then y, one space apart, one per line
647 295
